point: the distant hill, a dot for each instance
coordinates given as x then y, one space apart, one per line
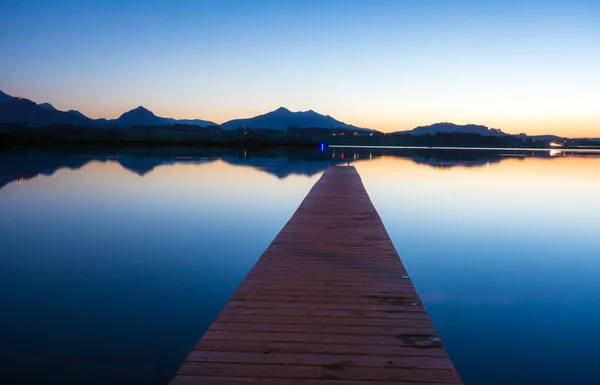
77 113
282 119
138 117
451 128
190 122
143 117
25 111
542 137
47 106
4 97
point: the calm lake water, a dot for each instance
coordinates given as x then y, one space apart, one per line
112 263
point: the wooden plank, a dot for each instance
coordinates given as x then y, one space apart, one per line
329 302
221 325
326 306
275 358
274 287
209 380
322 348
339 321
325 313
293 298
331 292
418 340
335 370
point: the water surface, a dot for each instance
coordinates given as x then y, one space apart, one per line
114 261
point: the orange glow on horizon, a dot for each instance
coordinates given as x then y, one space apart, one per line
576 127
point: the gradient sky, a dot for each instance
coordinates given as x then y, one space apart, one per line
521 66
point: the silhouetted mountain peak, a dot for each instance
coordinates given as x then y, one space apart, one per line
314 113
47 106
139 116
17 100
4 97
282 119
138 111
77 113
26 111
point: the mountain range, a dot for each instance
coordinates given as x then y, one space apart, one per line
21 110
17 109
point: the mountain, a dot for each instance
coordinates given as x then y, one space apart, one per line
138 117
190 122
143 117
4 97
47 106
21 110
77 113
282 119
451 127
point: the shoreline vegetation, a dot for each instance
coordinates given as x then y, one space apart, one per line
215 136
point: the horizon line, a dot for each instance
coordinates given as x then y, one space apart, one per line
297 111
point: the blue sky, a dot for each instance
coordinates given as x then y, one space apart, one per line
521 66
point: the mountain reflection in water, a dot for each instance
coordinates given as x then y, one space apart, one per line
18 164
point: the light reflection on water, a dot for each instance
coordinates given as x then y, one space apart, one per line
114 262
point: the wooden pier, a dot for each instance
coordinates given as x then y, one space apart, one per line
328 303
